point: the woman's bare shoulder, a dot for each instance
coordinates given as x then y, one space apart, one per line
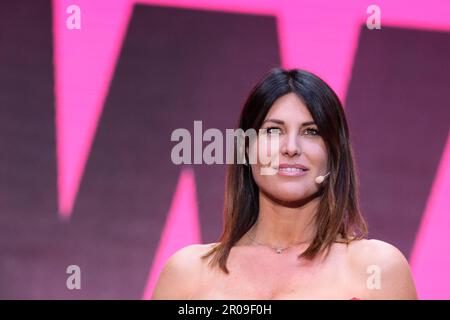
373 250
180 274
384 265
191 252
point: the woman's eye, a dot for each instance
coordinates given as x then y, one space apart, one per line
272 130
312 131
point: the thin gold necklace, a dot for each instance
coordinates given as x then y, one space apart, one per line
278 250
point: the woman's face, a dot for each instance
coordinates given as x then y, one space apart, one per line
299 144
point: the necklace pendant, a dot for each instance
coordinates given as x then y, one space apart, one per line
279 250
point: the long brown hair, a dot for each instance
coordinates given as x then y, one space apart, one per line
338 212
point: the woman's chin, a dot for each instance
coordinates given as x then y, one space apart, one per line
289 196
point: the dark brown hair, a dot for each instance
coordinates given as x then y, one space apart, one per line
338 211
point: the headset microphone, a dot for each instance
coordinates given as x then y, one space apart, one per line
320 179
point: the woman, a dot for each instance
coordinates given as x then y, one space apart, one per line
296 234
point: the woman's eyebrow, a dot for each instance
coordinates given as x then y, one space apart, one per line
307 123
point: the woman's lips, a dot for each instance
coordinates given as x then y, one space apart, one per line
291 172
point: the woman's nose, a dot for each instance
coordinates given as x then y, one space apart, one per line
290 146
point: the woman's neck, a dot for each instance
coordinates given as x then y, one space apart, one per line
285 224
